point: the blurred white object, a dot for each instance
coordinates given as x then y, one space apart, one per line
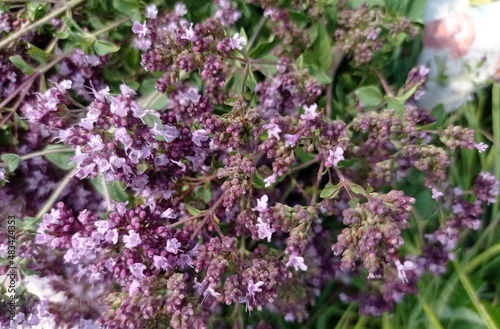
462 50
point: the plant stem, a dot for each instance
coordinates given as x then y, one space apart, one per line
338 55
111 26
27 83
318 181
255 33
105 192
44 152
57 192
16 35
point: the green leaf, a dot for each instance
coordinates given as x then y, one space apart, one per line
396 105
303 156
357 189
130 8
369 96
150 120
11 160
322 78
28 224
36 10
330 191
116 189
60 160
104 47
230 101
22 65
192 210
258 181
322 48
204 193
300 62
37 54
263 48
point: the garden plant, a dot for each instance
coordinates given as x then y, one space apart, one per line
239 164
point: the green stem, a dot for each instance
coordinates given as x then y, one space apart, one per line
256 32
433 319
57 192
44 152
27 83
495 116
111 26
16 35
482 257
488 321
105 192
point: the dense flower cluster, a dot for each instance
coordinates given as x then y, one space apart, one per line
227 189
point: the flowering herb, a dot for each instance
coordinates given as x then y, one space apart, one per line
172 165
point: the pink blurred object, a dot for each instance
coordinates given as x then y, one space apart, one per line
462 50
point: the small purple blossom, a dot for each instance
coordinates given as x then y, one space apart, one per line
273 130
334 156
402 268
310 112
160 262
199 136
270 180
173 246
140 29
132 240
436 194
237 41
137 270
297 262
261 204
169 213
151 11
481 147
265 230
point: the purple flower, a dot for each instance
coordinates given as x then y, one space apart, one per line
261 204
126 90
168 132
103 226
180 9
237 42
264 229
436 194
254 287
134 287
189 34
132 240
112 236
160 262
402 268
140 29
334 156
142 44
151 11
199 136
481 147
270 180
169 213
309 112
273 130
209 292
137 270
297 262
122 136
291 140
173 246
95 143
